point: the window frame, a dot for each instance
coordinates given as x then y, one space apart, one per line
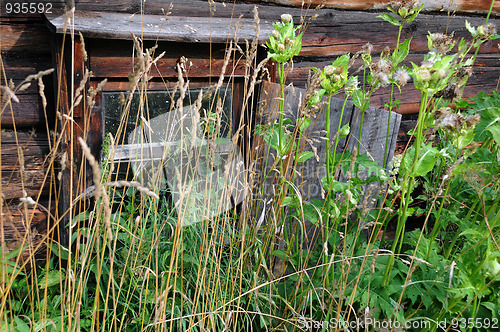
71 67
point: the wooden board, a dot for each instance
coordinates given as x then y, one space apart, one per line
24 228
470 6
155 27
34 147
27 113
334 32
21 37
220 7
17 64
115 59
485 78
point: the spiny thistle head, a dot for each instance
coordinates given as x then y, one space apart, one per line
406 9
440 42
284 43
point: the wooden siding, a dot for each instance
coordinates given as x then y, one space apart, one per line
115 62
460 6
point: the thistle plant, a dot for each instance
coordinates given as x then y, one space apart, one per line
284 43
333 78
439 78
400 13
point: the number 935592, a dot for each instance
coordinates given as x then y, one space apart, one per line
11 8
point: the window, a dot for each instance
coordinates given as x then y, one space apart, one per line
183 151
159 140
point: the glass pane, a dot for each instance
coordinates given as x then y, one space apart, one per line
158 103
187 151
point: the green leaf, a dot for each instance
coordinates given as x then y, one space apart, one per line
304 123
311 212
463 139
495 132
335 185
470 28
305 155
473 232
389 18
289 201
490 117
59 251
280 254
81 217
415 14
462 44
404 49
8 264
491 307
358 98
52 278
426 161
21 326
334 210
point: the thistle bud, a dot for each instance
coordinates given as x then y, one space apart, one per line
286 18
289 42
425 75
383 79
367 49
329 70
442 74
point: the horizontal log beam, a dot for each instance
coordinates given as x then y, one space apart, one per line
97 24
23 164
467 6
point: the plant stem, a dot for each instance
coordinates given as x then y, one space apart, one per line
406 189
338 129
328 161
391 96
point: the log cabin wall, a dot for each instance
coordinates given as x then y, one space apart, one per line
26 125
341 27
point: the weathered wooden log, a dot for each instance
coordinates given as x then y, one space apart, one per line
469 6
24 228
201 61
24 164
155 27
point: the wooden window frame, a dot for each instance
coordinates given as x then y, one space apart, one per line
109 56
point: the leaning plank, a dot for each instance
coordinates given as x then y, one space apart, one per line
376 133
156 27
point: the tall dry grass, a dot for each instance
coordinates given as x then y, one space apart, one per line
138 256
